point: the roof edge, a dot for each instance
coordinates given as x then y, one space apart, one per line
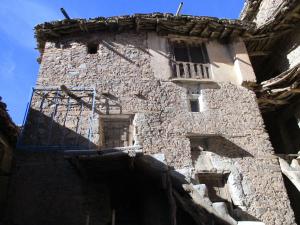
162 23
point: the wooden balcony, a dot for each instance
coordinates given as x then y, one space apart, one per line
191 71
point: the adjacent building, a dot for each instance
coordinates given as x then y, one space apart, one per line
275 56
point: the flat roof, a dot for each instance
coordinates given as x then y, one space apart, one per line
162 23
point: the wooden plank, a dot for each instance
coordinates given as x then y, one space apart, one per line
186 73
193 70
172 202
206 66
177 70
202 71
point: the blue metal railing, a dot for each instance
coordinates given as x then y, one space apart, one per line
29 135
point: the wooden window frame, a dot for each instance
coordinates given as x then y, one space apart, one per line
188 46
115 118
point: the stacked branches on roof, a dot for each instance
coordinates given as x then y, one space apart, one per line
265 37
205 27
279 91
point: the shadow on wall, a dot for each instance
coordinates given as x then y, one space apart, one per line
218 145
48 189
43 132
268 67
109 44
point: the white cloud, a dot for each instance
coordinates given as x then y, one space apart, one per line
21 16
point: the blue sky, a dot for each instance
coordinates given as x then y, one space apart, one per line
18 65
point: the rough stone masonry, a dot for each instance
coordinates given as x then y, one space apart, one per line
131 74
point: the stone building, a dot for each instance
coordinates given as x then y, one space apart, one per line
8 139
146 119
275 56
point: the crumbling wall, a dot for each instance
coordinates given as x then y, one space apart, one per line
287 52
267 10
123 67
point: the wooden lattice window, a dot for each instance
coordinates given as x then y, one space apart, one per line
190 60
195 53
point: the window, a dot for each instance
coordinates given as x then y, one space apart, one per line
194 105
92 48
195 53
190 60
116 131
293 133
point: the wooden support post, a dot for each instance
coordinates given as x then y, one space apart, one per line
185 70
65 13
172 202
113 217
177 70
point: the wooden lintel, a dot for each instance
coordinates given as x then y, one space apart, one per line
138 25
53 33
157 25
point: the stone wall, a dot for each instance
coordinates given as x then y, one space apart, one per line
266 11
126 68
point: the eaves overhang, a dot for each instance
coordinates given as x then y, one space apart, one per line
162 23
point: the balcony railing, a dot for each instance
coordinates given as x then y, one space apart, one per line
188 70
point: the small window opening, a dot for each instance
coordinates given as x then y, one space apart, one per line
92 48
194 104
116 130
195 53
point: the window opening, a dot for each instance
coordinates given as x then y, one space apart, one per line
195 53
190 60
92 48
194 105
181 52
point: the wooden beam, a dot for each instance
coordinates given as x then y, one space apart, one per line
172 202
259 53
65 13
